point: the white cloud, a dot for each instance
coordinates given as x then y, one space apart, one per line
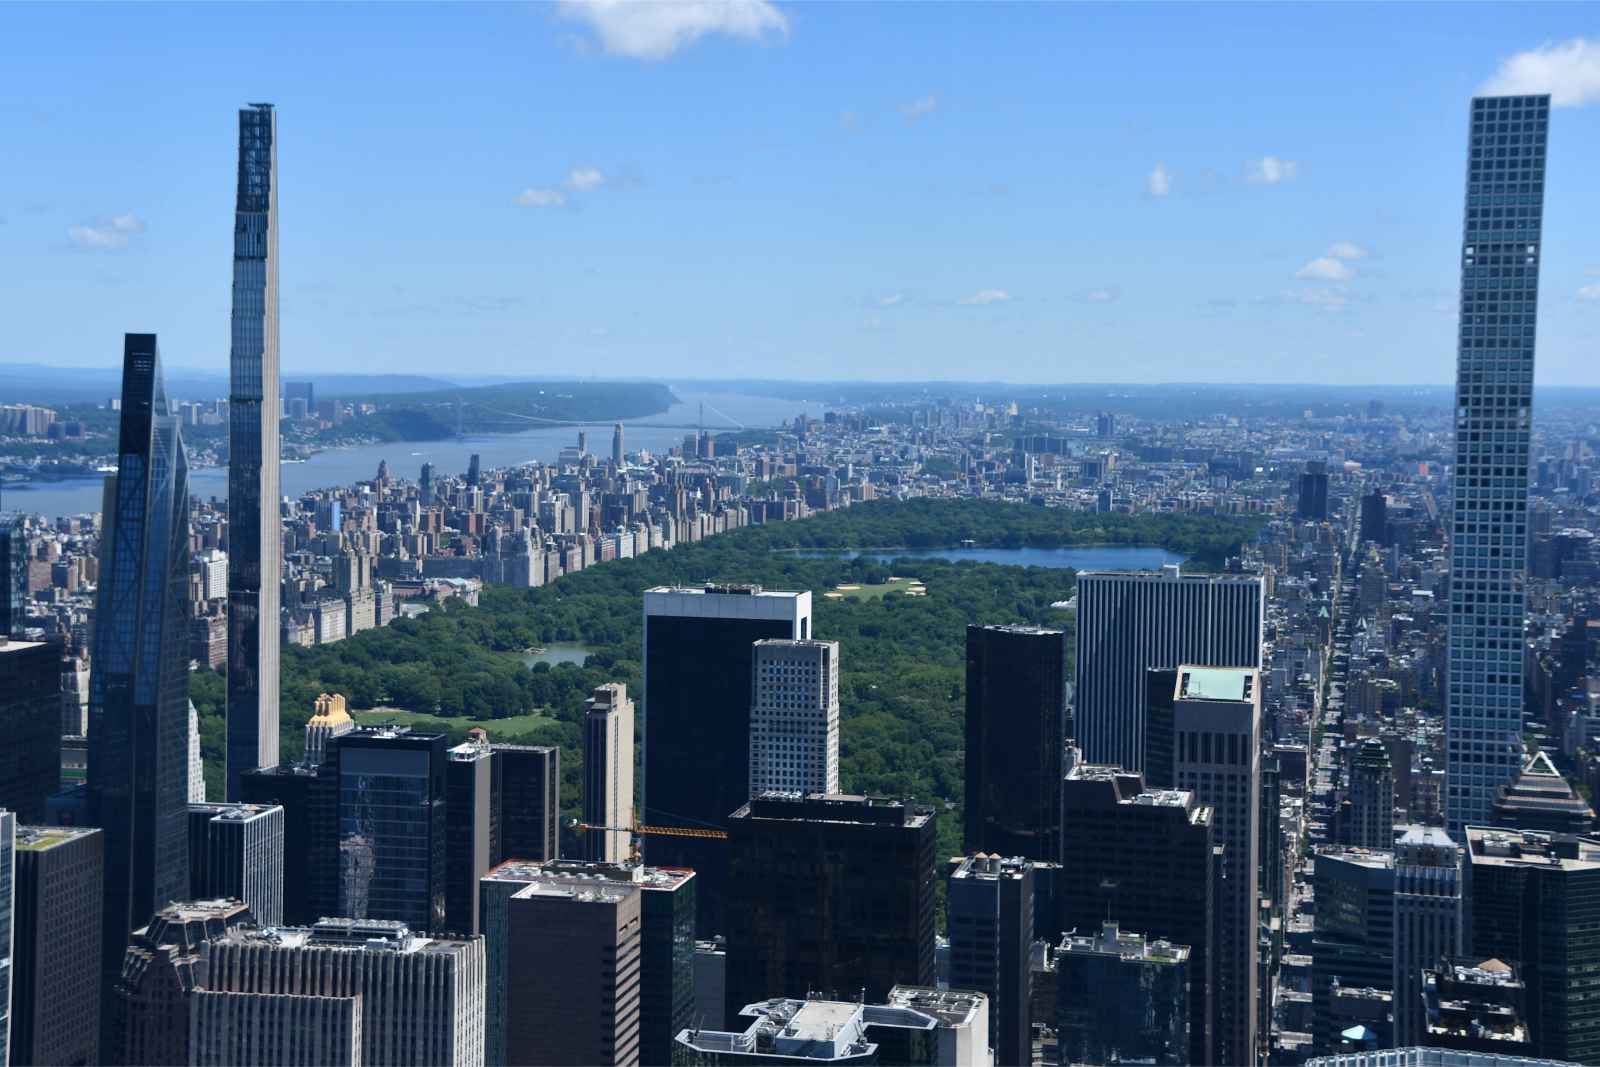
1103 296
891 300
1347 250
105 235
1569 72
1326 269
541 198
583 178
1159 183
654 29
919 108
1590 292
1270 170
987 296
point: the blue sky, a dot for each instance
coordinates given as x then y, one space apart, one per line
1040 192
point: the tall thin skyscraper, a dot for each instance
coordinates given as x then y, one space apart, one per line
138 781
608 772
255 547
1131 623
794 717
616 445
8 840
1427 920
1494 415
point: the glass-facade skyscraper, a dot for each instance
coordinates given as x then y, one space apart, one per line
391 826
254 542
138 777
1494 413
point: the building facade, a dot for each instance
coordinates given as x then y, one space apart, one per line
1427 920
30 721
472 830
391 826
55 957
794 717
529 788
989 910
236 850
608 772
1121 998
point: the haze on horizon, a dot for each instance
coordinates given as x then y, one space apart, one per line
908 192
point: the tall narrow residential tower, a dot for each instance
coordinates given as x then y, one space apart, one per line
254 543
1494 414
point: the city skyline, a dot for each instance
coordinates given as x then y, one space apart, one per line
937 212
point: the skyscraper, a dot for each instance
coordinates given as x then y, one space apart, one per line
1121 998
55 988
529 787
1130 623
835 897
616 445
697 687
1016 726
1313 503
8 833
1494 413
139 690
30 721
1427 920
391 826
1216 729
255 547
1371 797
989 904
236 851
1353 940
608 772
794 717
472 822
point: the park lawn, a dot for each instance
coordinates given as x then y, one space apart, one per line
878 592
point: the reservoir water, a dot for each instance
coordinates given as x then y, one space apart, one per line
346 466
1092 558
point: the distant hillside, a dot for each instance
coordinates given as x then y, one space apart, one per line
428 416
39 383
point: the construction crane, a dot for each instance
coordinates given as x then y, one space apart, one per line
636 832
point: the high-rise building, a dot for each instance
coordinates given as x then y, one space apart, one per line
30 722
835 896
139 690
1375 517
794 717
236 851
310 852
474 469
391 826
425 485
989 910
1121 998
1143 857
196 761
1530 899
697 687
8 832
1216 728
572 991
1371 796
529 788
1313 503
1427 920
1501 236
255 541
330 720
1353 939
616 445
1541 798
472 829
55 958
420 998
1129 623
608 772
1478 1006
1016 727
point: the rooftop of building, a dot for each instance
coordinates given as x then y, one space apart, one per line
231 812
1215 683
835 807
43 838
1374 858
1111 940
952 1007
726 589
577 890
580 871
988 866
1528 848
1489 972
373 935
1018 628
1432 836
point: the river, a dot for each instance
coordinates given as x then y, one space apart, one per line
346 466
1092 558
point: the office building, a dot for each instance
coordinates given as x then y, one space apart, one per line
30 722
1500 247
236 851
196 761
529 788
1121 998
990 922
146 1019
835 897
472 827
1474 1007
1143 857
1161 693
139 689
1374 527
1016 727
391 826
55 953
474 470
8 832
1216 728
1353 938
960 1037
255 543
1427 920
1129 623
1313 503
420 998
1371 797
711 984
425 485
331 719
616 445
273 1029
794 717
697 686
608 773
1540 798
310 850
1530 901
572 989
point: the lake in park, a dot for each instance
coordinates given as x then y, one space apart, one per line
1091 558
558 652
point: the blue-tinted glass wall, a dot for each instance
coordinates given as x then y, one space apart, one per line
391 826
1494 408
254 539
139 690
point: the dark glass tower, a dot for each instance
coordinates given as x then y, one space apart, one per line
1494 416
392 826
254 542
1016 725
139 691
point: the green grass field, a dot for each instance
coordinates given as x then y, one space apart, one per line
874 592
519 729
